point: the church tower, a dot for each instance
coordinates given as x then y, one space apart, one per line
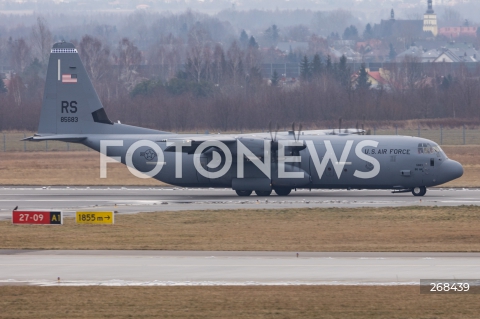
430 20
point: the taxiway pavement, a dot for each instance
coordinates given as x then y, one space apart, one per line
144 199
162 268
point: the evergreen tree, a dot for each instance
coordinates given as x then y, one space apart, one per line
350 33
446 82
392 54
146 87
317 66
343 72
293 57
275 34
255 75
35 68
244 39
252 43
329 66
305 69
362 81
272 34
3 88
334 36
275 78
368 33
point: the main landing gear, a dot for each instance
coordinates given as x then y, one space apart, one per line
419 191
263 193
243 193
281 191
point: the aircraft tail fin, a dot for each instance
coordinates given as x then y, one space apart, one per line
70 102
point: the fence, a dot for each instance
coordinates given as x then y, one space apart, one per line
12 141
442 136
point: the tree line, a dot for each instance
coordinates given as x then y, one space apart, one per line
198 84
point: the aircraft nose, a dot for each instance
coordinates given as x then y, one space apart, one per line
453 170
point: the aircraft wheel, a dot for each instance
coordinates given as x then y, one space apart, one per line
263 193
419 191
243 193
282 191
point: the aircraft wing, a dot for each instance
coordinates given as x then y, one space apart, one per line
196 140
346 131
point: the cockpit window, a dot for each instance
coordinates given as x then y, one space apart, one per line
427 148
422 148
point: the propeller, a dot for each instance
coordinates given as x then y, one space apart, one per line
274 143
296 149
296 136
274 138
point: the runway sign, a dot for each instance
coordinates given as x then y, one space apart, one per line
37 218
94 218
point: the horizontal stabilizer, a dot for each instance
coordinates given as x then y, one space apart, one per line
72 138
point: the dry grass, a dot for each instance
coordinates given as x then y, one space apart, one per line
83 168
63 168
232 302
469 157
310 229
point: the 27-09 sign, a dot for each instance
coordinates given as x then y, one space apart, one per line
36 217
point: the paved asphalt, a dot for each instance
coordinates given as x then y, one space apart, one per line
152 268
149 268
135 199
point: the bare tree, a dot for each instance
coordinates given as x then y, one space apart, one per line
41 40
198 51
129 58
235 57
95 56
20 54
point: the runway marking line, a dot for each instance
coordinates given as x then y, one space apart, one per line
199 266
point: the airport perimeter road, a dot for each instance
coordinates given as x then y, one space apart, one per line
224 268
132 200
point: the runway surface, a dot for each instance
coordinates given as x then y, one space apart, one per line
137 199
164 268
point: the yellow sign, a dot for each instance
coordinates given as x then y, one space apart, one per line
95 218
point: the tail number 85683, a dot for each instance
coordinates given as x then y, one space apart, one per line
69 119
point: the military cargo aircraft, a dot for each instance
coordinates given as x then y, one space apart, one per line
260 162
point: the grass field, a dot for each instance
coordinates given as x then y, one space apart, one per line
83 168
64 168
311 229
232 302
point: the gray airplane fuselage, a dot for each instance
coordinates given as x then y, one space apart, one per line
260 162
404 162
